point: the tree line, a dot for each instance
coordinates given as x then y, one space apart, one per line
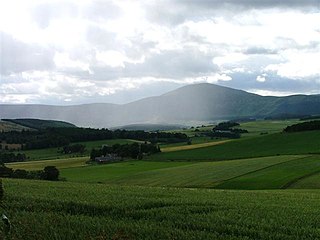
134 150
305 126
59 137
50 173
7 157
226 130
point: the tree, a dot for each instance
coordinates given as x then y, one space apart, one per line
50 173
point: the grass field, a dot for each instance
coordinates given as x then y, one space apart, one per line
114 171
266 126
193 146
266 145
60 210
173 174
59 163
9 126
308 182
277 176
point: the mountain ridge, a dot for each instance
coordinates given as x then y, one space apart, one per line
198 102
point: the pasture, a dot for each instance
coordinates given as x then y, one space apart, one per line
266 145
59 163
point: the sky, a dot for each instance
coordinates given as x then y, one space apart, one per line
66 52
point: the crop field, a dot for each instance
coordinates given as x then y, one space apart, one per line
59 163
172 174
61 210
261 186
311 181
266 126
114 171
277 176
266 145
192 146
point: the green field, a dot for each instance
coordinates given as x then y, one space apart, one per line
250 188
59 163
61 210
266 126
311 181
171 174
276 176
114 171
266 145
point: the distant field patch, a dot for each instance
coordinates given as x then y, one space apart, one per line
59 163
172 174
192 146
308 182
277 176
266 145
110 172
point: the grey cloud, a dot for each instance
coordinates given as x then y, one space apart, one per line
17 56
260 50
174 12
175 64
168 64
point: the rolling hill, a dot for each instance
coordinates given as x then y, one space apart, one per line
199 102
39 123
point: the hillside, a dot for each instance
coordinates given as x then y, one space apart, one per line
192 103
39 123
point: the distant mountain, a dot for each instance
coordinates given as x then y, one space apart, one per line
199 102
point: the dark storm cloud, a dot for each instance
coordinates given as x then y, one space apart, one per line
17 56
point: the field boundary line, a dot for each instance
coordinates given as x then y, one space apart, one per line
260 169
294 181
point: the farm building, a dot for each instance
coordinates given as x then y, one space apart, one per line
108 158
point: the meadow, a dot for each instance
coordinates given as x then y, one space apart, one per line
172 174
259 146
66 211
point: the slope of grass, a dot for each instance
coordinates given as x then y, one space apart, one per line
267 145
192 146
266 126
200 175
9 126
173 174
275 177
111 172
308 182
40 123
60 210
59 163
